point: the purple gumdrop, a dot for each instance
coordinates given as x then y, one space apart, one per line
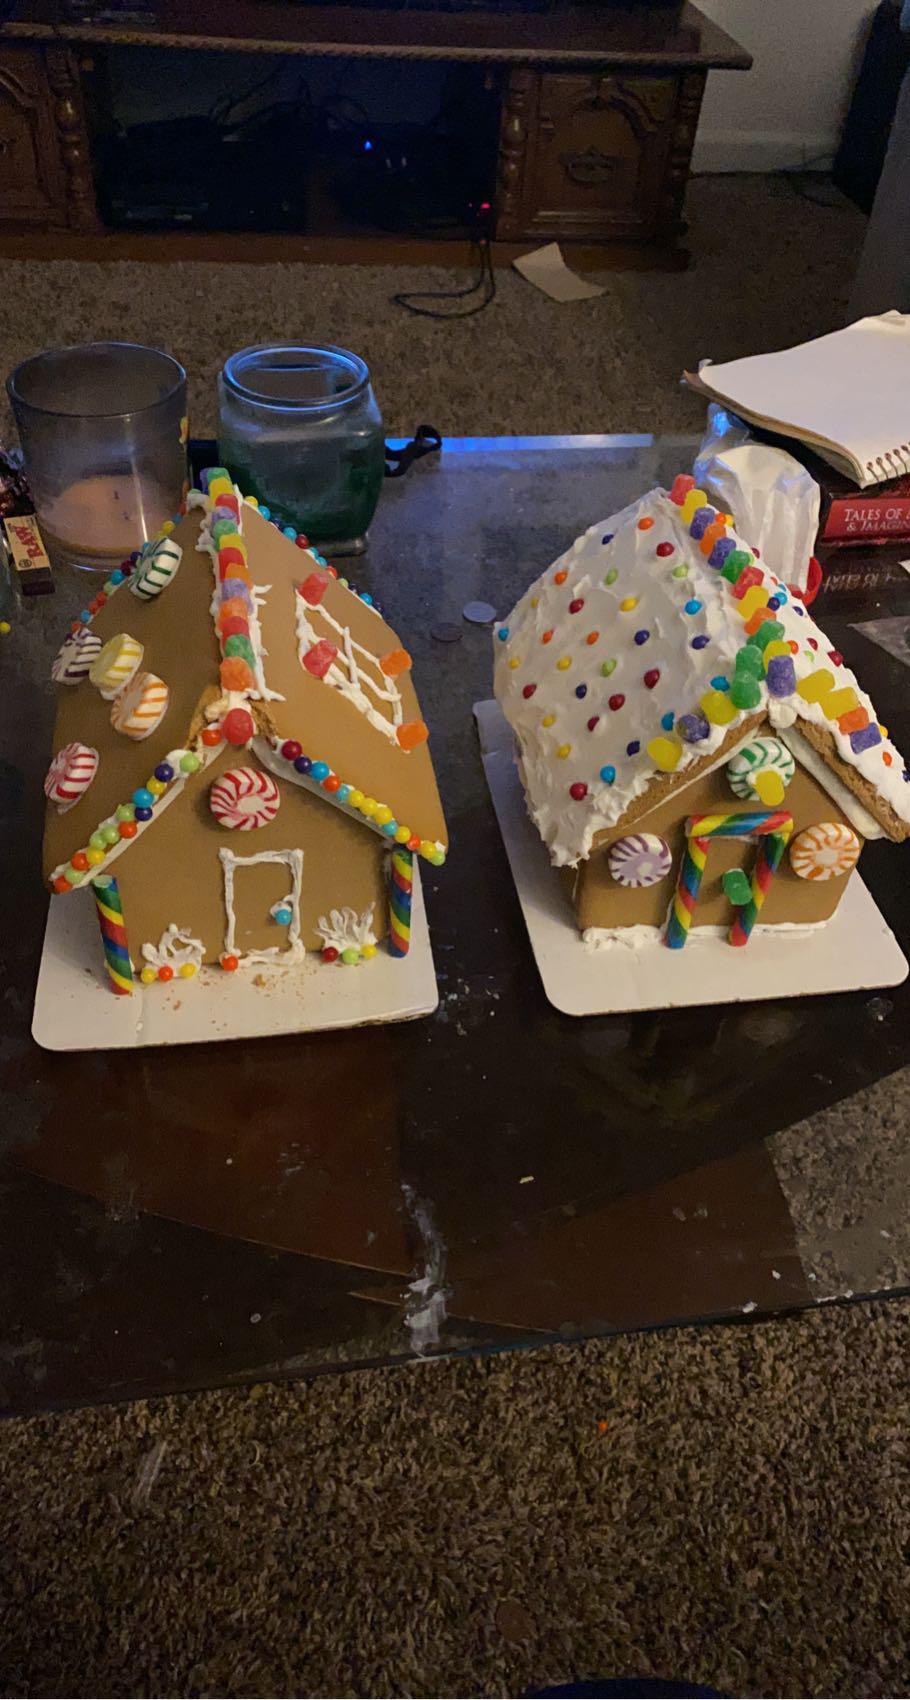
722 548
700 522
235 587
781 676
865 739
692 728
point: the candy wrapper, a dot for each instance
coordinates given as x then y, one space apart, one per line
773 499
21 545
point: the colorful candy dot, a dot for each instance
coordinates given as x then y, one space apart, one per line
578 791
164 772
692 606
720 683
633 748
564 750
291 750
680 572
607 539
211 736
651 677
332 784
80 861
368 952
548 720
402 834
594 721
148 975
303 764
165 972
368 807
320 770
700 642
611 576
343 794
608 774
546 637
157 787
110 834
125 811
642 636
835 656
143 814
592 637
645 524
607 667
563 663
528 691
187 970
617 701
628 603
581 690
503 633
94 857
143 799
664 549
349 956
576 605
329 953
266 514
355 800
127 829
230 963
560 577
382 815
514 662
666 721
189 763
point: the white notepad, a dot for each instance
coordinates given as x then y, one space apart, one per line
846 395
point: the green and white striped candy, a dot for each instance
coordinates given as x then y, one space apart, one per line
155 568
760 755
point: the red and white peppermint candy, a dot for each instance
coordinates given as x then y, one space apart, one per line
244 798
75 657
640 859
70 774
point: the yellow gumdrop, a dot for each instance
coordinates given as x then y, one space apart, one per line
775 647
756 597
816 685
665 753
717 707
840 702
770 788
694 500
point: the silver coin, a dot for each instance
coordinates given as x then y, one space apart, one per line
479 613
445 632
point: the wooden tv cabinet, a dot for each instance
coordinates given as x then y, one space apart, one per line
599 107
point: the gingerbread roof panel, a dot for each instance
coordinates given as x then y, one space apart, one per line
642 651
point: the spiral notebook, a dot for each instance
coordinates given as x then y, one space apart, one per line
846 395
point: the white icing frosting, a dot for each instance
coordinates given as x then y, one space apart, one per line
640 936
174 949
569 826
295 950
270 757
356 673
344 929
206 757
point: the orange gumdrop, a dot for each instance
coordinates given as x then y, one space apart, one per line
412 733
397 661
233 608
236 674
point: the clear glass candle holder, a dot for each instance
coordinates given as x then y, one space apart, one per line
103 429
299 428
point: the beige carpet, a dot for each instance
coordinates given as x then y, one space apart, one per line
730 1506
771 267
740 1519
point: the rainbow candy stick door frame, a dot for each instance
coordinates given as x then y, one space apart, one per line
770 829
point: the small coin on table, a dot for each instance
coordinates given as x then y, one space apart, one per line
479 613
446 632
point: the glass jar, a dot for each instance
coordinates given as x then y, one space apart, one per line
300 430
103 431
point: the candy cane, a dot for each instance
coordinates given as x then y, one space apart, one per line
771 828
400 894
113 933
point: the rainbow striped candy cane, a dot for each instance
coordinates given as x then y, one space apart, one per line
770 827
400 889
110 919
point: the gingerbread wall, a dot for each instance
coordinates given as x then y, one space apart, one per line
601 902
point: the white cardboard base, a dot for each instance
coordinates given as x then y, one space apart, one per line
855 951
75 1009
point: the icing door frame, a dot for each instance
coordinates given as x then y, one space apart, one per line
294 950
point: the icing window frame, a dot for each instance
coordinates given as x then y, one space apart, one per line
294 950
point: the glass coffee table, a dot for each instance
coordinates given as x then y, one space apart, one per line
494 1175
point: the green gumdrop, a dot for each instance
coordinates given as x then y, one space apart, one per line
110 835
237 644
767 632
737 561
745 692
213 472
223 528
749 662
737 889
350 956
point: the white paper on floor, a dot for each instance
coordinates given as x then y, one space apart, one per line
75 1009
547 270
856 950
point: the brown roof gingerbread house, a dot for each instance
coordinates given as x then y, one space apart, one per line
694 751
241 771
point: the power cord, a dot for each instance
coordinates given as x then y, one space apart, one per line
485 280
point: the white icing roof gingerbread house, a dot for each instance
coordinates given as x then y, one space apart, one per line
660 677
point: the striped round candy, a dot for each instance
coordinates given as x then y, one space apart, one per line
115 664
75 657
824 852
244 798
138 710
761 771
641 859
156 567
70 774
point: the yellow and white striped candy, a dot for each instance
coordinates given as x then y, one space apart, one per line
114 667
141 707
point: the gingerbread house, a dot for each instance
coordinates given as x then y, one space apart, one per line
695 753
241 773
